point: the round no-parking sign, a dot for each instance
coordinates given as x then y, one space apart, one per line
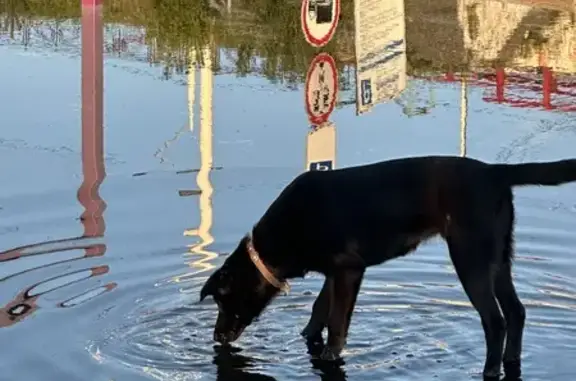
319 19
321 88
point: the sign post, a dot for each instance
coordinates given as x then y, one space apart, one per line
321 93
321 148
319 19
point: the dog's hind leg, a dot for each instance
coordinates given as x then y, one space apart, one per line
512 308
320 313
515 315
472 254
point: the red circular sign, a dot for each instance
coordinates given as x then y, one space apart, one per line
321 88
319 19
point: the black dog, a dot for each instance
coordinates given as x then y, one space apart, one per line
340 222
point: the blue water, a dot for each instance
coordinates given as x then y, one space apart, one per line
125 306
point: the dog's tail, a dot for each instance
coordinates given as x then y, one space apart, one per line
546 173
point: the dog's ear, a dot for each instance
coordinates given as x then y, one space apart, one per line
209 287
217 283
205 291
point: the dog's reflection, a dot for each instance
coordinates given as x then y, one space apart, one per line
232 366
329 371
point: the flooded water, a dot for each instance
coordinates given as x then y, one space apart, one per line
120 196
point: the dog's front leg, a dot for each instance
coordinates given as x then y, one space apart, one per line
320 313
346 286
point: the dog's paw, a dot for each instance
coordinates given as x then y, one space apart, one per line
512 370
328 354
314 349
493 376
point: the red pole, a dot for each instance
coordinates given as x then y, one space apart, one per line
92 121
547 84
500 84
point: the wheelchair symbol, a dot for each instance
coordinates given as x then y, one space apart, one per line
321 166
366 91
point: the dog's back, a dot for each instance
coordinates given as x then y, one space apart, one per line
402 200
410 168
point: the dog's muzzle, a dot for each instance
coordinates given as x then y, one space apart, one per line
225 338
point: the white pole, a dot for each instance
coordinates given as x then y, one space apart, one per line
203 177
463 114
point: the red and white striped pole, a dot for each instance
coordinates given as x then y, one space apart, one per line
92 119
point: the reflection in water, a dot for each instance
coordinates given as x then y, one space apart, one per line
319 20
409 102
515 38
206 160
231 365
380 46
92 120
321 147
25 303
502 42
463 114
522 89
519 32
320 94
519 55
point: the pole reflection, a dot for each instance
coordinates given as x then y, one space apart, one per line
463 114
92 219
92 122
200 257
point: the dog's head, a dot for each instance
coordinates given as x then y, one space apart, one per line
240 292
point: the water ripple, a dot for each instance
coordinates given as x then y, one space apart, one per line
412 318
28 299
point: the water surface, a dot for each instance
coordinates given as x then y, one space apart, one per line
108 230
